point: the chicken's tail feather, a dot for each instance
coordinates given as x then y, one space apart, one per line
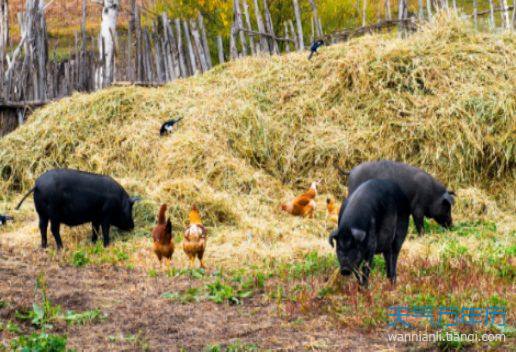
161 215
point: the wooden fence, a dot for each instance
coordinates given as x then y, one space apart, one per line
33 74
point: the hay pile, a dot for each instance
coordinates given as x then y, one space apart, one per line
257 130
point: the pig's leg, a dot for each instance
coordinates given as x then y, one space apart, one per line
419 217
389 265
54 227
43 226
105 233
95 231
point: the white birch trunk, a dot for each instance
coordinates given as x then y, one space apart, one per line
318 25
420 11
204 38
505 14
429 9
388 15
475 13
299 25
4 27
261 27
248 26
108 36
491 15
364 13
220 48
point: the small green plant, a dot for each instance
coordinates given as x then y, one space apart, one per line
42 342
232 347
153 273
219 292
192 294
89 316
121 255
80 259
44 313
13 328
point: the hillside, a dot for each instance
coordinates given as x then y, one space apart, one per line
258 130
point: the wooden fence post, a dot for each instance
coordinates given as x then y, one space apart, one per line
273 44
248 26
220 49
264 44
191 55
297 13
198 46
492 23
317 20
204 39
240 25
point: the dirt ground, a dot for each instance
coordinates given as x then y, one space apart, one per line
134 307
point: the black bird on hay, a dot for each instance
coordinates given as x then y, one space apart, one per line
168 126
315 45
4 219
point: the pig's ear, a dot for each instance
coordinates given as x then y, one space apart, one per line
333 237
447 197
358 235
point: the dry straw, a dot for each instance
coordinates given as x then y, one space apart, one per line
255 129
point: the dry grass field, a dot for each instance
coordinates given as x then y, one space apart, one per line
256 132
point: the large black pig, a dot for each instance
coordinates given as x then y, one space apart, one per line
427 196
374 219
72 197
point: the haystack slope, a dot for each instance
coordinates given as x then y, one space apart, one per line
258 130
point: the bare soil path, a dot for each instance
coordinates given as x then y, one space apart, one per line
138 318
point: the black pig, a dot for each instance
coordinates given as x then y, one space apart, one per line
74 197
427 196
374 219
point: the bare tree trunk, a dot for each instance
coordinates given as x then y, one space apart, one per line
191 54
318 25
198 48
273 44
130 65
294 36
402 15
233 51
108 33
83 61
204 37
220 48
312 30
420 11
492 23
287 35
514 14
261 27
4 39
429 9
475 13
240 24
248 26
297 13
388 14
364 13
41 48
505 14
179 38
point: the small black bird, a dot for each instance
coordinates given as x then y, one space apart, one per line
314 47
4 219
167 126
